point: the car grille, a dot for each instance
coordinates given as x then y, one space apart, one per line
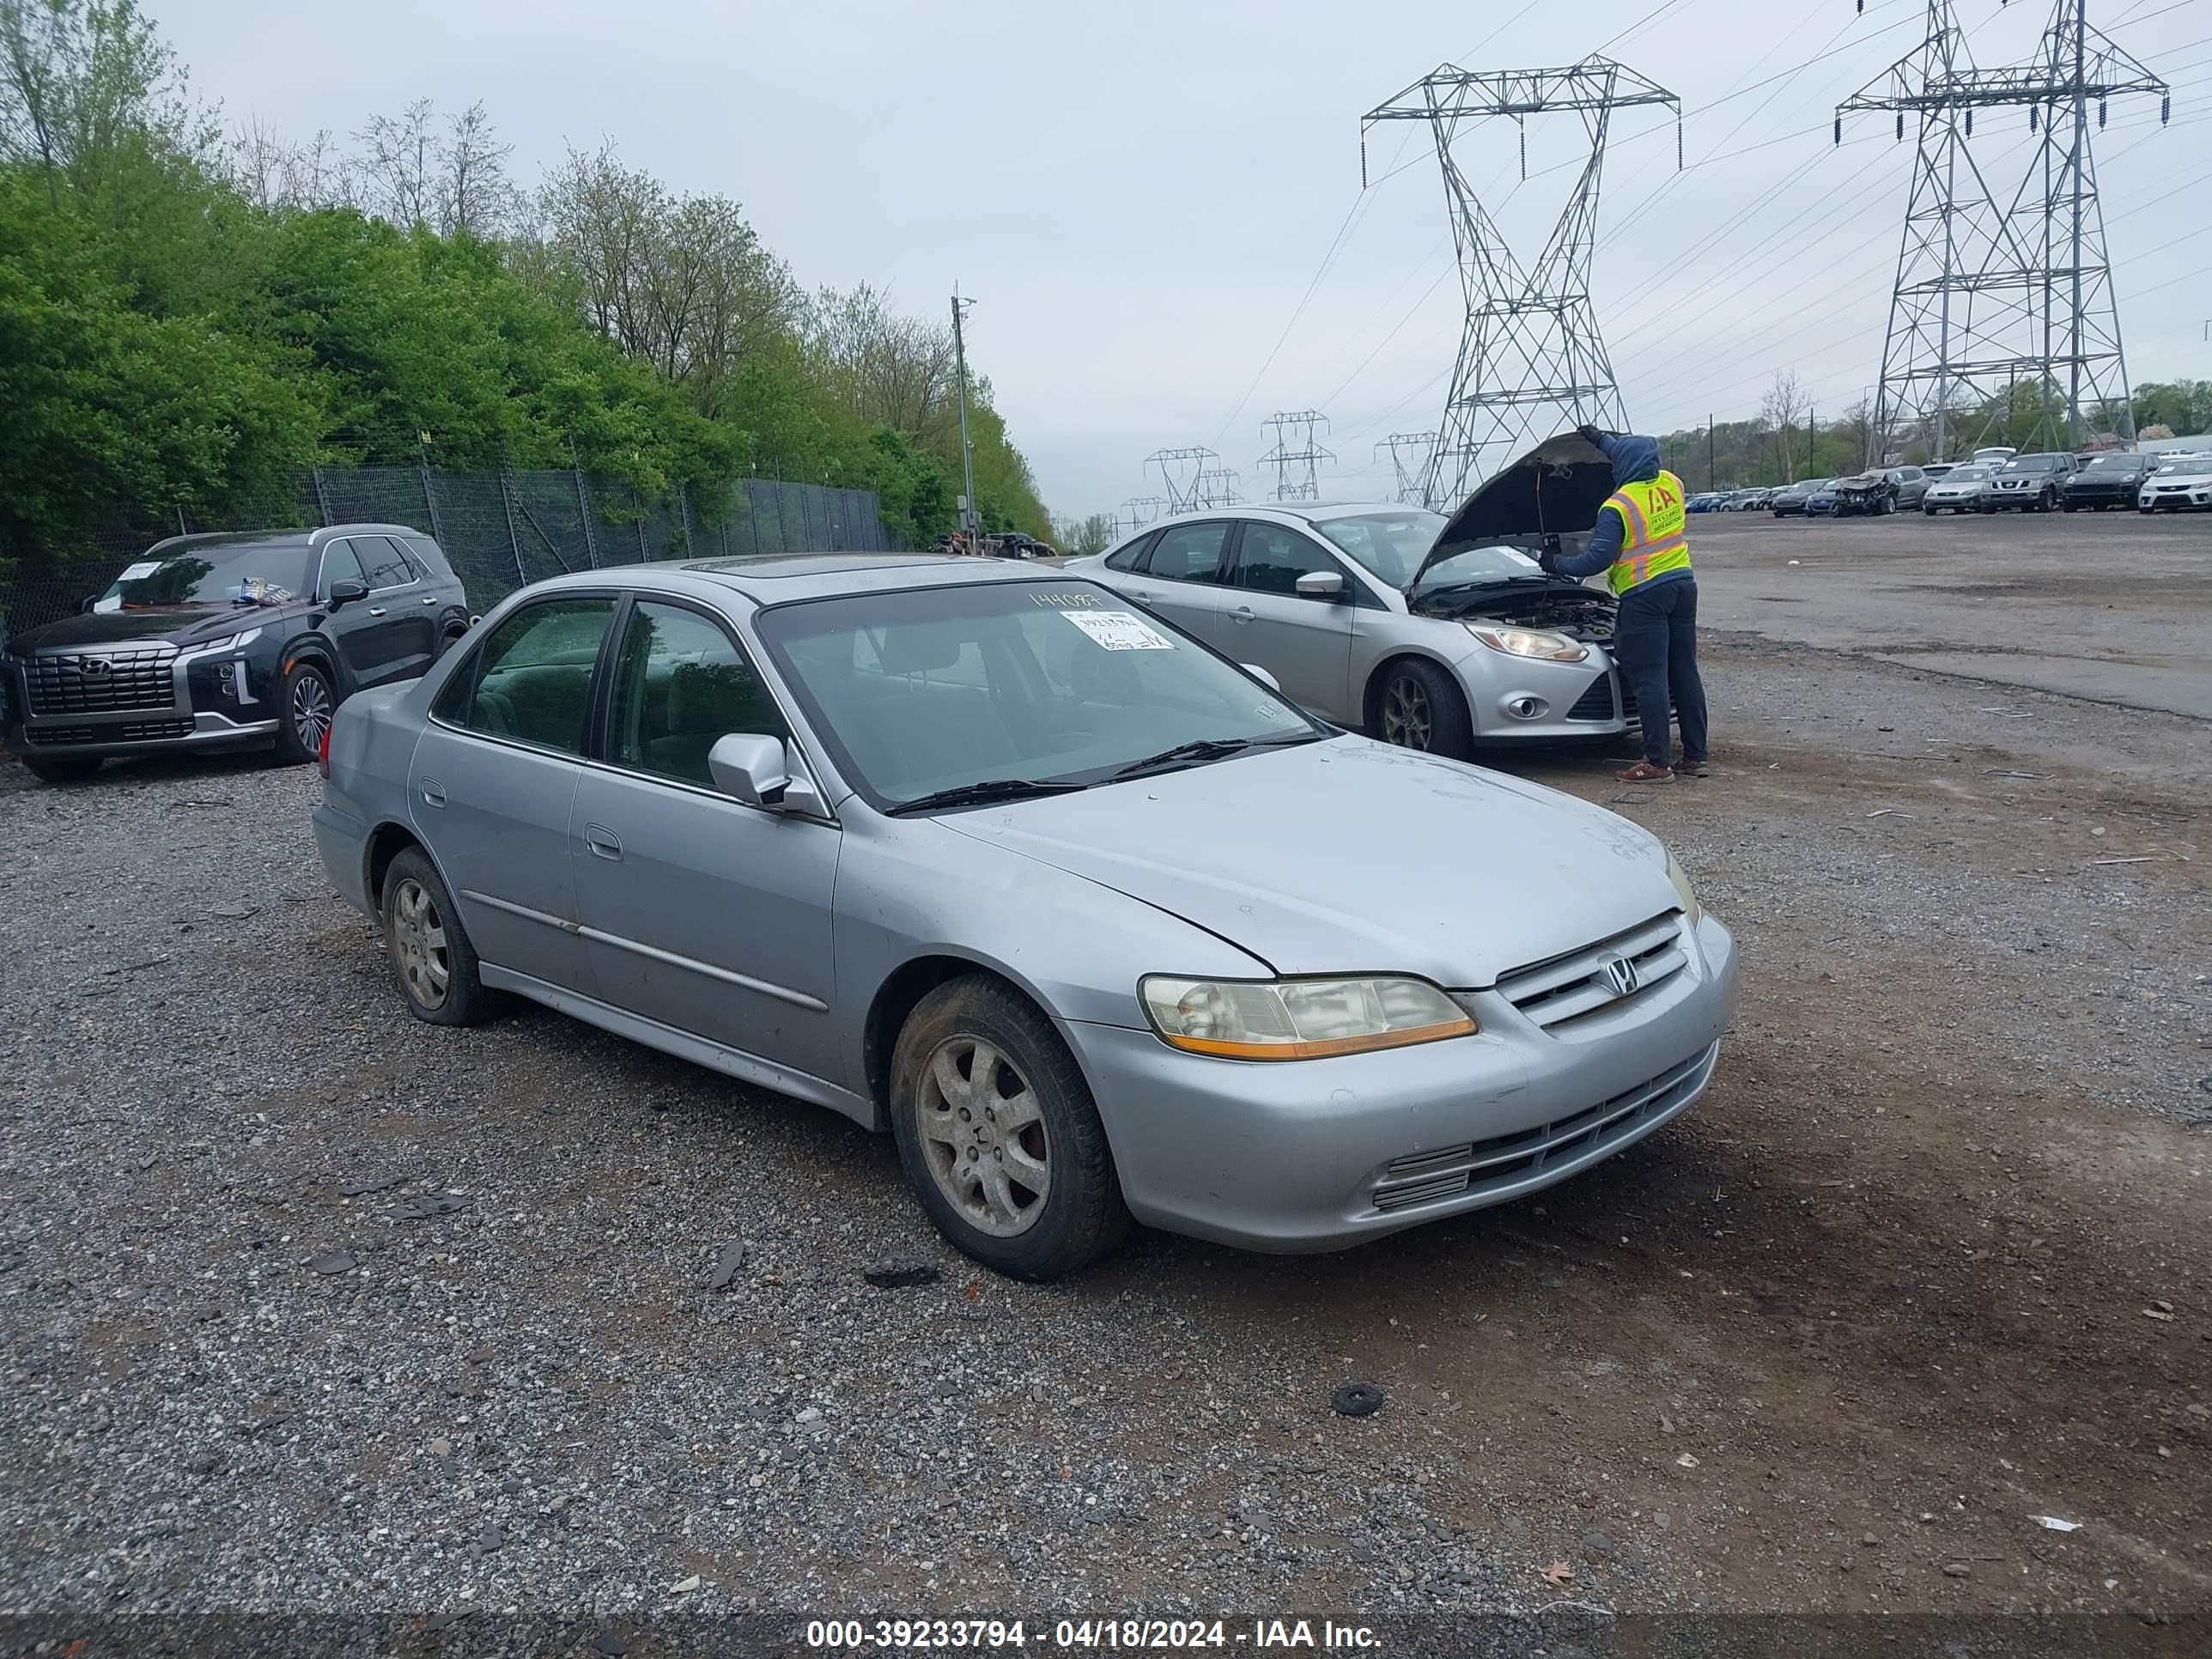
1557 993
1484 1165
129 678
151 731
1596 703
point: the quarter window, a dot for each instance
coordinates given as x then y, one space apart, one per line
1189 552
532 681
681 683
1131 557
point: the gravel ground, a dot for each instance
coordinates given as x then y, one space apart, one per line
309 1305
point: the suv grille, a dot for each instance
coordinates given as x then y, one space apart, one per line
1557 993
100 681
70 736
1476 1166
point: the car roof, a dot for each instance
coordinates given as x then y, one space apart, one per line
775 578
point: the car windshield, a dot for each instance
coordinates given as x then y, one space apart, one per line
2117 463
1390 545
234 572
1479 564
2033 463
1011 688
1968 474
2198 468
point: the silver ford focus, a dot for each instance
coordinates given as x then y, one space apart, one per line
1441 635
1098 925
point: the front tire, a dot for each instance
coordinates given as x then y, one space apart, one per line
1418 706
429 949
61 768
998 1134
304 706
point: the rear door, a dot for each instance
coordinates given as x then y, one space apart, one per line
1305 642
495 781
705 915
1184 575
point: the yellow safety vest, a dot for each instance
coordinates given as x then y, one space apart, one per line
1653 512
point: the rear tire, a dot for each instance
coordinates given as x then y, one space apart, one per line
61 768
1417 705
429 949
998 1134
305 707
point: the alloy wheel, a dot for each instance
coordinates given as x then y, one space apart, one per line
311 711
418 944
1405 718
981 1133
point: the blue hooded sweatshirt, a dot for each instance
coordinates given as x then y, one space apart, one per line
1635 459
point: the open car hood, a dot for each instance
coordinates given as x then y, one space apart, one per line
1555 489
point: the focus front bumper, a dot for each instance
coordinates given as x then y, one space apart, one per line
153 736
1318 1155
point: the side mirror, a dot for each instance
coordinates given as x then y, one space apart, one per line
346 590
84 605
1322 585
760 772
1263 676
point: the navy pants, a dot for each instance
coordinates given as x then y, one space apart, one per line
1654 639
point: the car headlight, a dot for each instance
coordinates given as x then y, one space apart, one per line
1298 1018
208 648
1529 642
1684 892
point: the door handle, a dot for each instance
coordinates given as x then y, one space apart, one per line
429 599
1243 613
433 792
603 841
376 610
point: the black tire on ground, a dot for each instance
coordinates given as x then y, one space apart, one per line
2071 506
1883 507
979 1073
2047 501
61 768
428 947
1417 705
305 704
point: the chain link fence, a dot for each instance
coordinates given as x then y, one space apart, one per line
502 529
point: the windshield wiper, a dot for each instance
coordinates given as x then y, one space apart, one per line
983 793
1206 749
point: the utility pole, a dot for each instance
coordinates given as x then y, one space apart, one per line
1712 474
970 521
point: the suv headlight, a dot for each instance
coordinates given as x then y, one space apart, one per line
1529 642
1683 890
1298 1018
229 642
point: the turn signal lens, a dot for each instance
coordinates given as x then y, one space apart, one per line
1529 642
1299 1019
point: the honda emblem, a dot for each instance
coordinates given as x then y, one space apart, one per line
1619 976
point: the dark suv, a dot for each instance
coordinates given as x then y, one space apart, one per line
230 641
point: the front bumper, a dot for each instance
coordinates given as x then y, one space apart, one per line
137 736
1319 1155
1527 699
2177 500
166 700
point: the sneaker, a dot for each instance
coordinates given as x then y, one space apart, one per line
1695 769
1645 772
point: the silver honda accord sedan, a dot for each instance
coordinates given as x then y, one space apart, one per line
1097 924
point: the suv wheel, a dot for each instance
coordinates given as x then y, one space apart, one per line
61 768
998 1134
1417 707
304 706
429 949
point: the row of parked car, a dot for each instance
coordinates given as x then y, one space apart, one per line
1995 481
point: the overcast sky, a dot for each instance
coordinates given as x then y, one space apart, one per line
1140 196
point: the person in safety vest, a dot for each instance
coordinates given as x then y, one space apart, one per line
1640 544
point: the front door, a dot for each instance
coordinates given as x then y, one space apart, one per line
494 783
390 634
1305 642
704 914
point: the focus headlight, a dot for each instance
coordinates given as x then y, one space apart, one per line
1683 890
1529 642
1298 1018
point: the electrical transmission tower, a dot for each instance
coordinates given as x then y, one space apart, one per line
1182 471
1410 473
1216 486
2003 297
1138 511
1300 424
1530 359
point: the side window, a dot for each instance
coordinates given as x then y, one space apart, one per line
429 559
382 563
1272 557
680 683
1189 552
1131 557
531 680
339 565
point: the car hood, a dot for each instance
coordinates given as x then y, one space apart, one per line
1348 856
1556 489
183 627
